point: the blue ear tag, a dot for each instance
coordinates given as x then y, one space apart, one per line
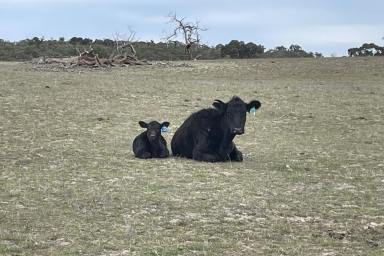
164 128
253 111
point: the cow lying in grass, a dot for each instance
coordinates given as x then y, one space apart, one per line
150 143
208 134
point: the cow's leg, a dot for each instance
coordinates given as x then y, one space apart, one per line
159 149
204 156
236 155
201 152
163 152
143 155
141 149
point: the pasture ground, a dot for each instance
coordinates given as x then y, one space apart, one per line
312 180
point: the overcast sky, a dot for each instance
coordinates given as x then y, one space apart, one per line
326 26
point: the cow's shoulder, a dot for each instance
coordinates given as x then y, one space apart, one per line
201 123
206 115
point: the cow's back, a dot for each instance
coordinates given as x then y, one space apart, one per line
140 144
182 141
187 135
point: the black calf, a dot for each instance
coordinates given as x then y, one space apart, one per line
151 144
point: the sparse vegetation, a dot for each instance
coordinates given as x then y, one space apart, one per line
172 50
366 50
311 182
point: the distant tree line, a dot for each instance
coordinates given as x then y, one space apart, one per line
240 50
293 51
366 49
172 50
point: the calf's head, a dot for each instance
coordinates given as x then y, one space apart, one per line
154 129
234 113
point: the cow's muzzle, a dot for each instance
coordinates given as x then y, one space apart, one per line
152 136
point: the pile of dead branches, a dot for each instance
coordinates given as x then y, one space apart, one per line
123 55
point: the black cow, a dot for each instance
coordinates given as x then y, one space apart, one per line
207 134
151 143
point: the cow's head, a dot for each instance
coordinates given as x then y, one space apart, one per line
153 129
234 113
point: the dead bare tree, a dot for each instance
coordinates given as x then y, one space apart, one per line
189 31
124 52
123 41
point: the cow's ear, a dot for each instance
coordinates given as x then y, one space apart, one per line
143 124
219 105
164 127
254 104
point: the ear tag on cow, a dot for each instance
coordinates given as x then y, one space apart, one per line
164 128
253 111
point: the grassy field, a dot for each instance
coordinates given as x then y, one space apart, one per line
312 180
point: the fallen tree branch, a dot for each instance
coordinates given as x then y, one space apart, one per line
120 57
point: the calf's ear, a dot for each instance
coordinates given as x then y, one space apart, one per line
143 124
219 105
165 124
253 104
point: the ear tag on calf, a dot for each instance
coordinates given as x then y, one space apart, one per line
253 111
164 128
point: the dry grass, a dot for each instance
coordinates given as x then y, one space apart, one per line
311 182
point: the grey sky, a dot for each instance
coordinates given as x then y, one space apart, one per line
325 26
